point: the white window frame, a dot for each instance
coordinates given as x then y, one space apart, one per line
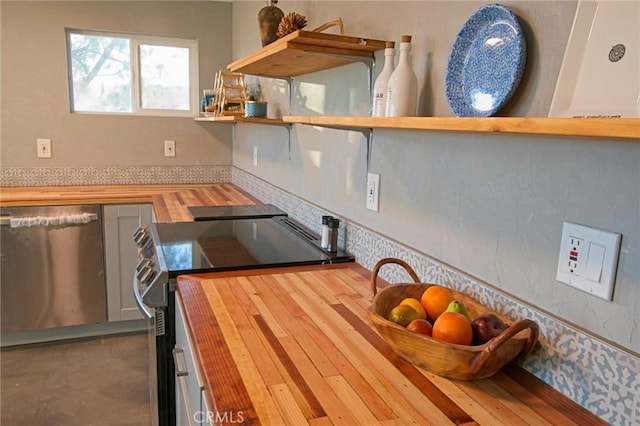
136 87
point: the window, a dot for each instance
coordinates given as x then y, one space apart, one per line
132 74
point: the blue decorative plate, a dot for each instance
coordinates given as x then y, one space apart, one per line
486 62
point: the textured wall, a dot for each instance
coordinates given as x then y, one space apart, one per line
489 205
600 377
35 96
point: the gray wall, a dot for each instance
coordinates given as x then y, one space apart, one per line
35 100
489 205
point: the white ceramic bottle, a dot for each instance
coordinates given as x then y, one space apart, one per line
402 89
380 86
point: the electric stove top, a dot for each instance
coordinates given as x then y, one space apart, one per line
191 247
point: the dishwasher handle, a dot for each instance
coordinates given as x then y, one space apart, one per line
67 219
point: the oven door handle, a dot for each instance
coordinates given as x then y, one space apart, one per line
139 302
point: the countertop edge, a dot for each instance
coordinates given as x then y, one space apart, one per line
27 196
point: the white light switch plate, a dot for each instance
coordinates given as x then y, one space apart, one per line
588 259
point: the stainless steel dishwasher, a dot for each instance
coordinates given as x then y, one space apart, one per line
52 267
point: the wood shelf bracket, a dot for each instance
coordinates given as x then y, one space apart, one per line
368 134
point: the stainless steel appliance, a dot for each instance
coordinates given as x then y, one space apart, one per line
52 267
167 250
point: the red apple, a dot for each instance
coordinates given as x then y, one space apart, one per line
486 327
420 326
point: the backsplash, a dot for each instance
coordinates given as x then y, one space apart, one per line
598 376
56 176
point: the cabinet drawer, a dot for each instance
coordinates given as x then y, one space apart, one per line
189 382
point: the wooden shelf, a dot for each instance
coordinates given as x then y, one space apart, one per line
304 52
624 128
240 119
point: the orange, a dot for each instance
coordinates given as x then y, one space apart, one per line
435 300
453 327
415 304
402 314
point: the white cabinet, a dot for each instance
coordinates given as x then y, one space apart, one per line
207 415
120 221
190 409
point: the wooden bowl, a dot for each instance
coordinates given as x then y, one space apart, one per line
446 359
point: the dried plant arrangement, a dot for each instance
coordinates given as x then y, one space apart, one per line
292 22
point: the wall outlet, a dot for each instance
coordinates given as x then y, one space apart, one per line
169 148
576 257
588 259
373 191
255 156
43 147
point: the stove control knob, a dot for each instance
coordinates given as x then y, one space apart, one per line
146 242
138 230
139 274
140 237
143 270
147 277
143 263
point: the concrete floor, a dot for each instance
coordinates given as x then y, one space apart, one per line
99 381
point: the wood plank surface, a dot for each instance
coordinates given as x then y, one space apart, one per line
304 52
230 119
295 346
226 386
170 201
624 128
172 206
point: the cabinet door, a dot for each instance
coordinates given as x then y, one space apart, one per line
189 383
208 416
121 256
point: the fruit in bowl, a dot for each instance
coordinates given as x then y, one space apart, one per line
459 307
415 304
431 316
453 327
454 361
485 327
420 326
436 300
402 315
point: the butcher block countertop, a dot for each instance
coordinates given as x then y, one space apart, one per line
295 346
172 206
169 201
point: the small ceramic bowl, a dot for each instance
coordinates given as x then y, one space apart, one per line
255 109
